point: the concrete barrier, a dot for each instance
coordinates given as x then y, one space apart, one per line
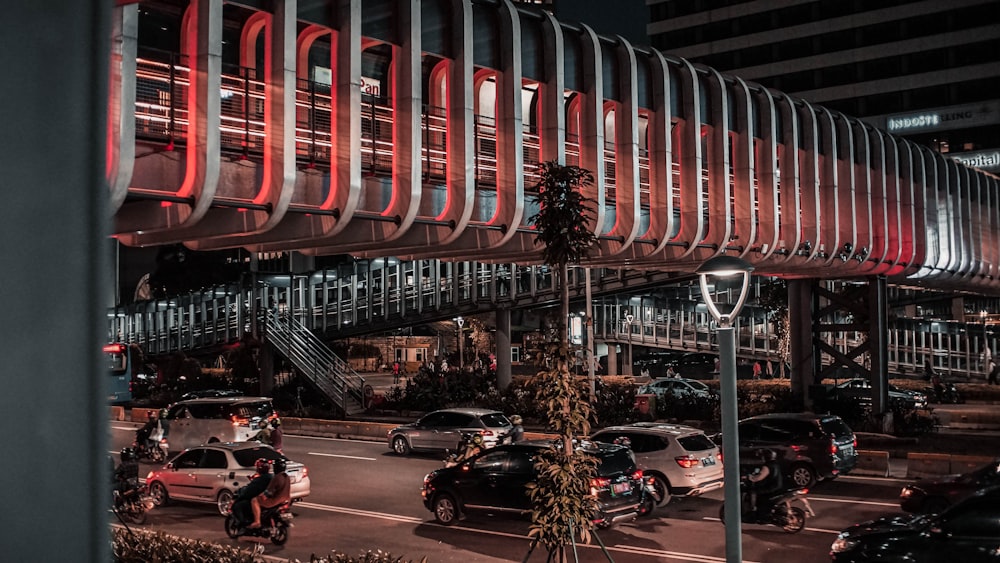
870 462
966 463
927 465
118 413
141 415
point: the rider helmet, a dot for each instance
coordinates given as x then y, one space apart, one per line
276 423
263 466
127 454
279 465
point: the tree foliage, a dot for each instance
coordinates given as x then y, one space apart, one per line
563 506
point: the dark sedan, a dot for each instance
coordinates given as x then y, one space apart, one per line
968 531
933 496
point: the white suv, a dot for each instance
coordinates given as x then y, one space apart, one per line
678 460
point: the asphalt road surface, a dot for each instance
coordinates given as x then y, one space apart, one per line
366 498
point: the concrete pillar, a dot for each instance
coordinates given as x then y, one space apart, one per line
503 348
612 359
958 308
801 346
57 272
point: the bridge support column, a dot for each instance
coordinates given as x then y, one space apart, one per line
503 348
800 297
612 358
265 361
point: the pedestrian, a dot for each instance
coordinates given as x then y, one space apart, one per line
395 372
671 373
276 435
994 369
756 370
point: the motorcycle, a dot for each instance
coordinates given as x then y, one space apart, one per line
649 498
774 509
274 524
151 449
132 504
947 393
470 445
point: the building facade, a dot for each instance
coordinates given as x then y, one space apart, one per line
921 69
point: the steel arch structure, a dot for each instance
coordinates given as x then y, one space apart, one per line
413 129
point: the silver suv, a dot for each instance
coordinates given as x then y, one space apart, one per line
442 430
678 460
216 419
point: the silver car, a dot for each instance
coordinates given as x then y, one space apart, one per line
678 460
442 430
212 473
677 388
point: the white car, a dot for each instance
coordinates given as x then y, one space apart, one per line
677 388
678 460
213 472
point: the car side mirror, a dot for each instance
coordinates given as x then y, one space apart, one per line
171 467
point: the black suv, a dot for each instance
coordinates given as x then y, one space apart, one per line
496 480
810 447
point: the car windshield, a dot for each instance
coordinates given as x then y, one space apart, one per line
696 443
697 385
494 420
248 456
835 426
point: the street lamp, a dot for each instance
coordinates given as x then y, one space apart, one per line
728 267
461 357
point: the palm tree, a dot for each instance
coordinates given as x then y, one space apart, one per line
562 504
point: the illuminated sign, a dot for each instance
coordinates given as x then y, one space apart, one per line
942 119
370 86
988 160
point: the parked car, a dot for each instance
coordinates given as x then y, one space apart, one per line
442 430
968 531
859 390
212 473
216 419
678 460
810 447
933 496
677 388
211 393
496 480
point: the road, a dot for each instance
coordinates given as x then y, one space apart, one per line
363 497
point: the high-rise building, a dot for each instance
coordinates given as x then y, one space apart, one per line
926 70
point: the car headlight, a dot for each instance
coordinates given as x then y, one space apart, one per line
842 544
906 492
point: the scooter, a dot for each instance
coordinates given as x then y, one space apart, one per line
132 504
153 449
774 510
274 524
947 393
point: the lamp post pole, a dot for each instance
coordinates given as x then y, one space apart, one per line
461 357
724 266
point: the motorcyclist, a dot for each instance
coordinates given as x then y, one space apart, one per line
516 433
127 472
242 501
766 479
471 446
276 436
278 491
142 435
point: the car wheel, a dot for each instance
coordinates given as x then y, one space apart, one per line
158 493
661 490
400 445
803 476
445 509
224 501
646 507
934 505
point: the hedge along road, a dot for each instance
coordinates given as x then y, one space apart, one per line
366 498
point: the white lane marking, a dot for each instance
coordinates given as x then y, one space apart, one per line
342 456
413 520
851 501
820 530
355 440
129 428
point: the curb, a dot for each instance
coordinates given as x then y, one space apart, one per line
874 463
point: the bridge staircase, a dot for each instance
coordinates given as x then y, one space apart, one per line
328 374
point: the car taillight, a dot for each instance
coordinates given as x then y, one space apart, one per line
304 472
239 421
833 448
487 433
718 456
637 475
686 461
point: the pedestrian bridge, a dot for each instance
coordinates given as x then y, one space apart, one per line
414 130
